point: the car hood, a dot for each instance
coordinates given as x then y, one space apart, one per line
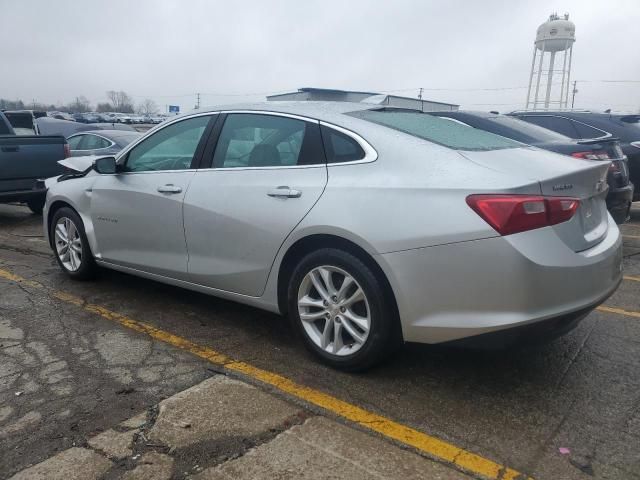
80 164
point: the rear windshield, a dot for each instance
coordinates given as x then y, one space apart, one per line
125 138
529 130
436 130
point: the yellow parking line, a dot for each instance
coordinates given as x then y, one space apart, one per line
432 446
632 278
619 311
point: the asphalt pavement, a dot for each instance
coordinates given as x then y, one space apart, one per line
70 369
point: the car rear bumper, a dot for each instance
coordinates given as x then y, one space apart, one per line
461 290
619 203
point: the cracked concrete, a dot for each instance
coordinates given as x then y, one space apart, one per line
581 392
225 428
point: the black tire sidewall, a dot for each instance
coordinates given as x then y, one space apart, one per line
36 205
377 342
87 264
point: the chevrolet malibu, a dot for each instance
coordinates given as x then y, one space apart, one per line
367 226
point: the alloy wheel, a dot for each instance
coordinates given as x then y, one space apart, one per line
334 310
68 244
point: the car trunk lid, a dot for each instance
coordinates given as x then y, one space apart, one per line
559 176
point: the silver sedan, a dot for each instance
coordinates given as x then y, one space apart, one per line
367 226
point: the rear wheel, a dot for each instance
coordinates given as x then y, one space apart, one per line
340 309
70 244
36 204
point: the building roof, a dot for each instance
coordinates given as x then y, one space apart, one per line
382 96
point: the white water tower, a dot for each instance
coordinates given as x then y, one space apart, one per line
556 35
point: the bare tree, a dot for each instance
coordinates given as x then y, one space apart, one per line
121 101
148 107
104 107
80 105
11 104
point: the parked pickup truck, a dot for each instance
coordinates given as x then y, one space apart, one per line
26 159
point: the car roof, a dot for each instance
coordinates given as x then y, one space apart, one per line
112 134
312 109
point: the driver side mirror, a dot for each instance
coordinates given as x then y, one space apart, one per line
105 165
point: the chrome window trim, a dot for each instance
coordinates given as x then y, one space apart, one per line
95 135
150 172
370 153
281 167
555 115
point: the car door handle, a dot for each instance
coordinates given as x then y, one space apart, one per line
284 192
11 149
169 188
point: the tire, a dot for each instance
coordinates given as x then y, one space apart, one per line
36 204
79 264
344 352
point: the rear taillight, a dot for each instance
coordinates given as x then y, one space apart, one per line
509 214
590 155
67 150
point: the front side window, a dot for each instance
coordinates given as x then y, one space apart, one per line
436 130
257 140
170 148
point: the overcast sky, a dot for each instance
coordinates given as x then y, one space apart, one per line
233 51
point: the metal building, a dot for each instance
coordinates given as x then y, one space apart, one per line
553 36
332 95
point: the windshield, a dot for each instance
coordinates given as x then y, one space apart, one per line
436 130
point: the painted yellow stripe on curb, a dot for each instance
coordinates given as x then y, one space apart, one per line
619 311
632 278
432 446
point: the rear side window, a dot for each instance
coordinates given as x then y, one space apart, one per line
74 142
557 124
586 131
340 147
437 130
93 142
257 140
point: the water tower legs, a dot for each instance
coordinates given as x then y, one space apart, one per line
549 79
533 64
535 101
566 100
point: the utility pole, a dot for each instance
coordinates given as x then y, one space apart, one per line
575 90
420 93
197 101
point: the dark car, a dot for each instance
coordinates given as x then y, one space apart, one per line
86 118
601 149
585 124
24 161
100 142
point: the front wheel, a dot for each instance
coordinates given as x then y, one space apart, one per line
70 244
341 309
